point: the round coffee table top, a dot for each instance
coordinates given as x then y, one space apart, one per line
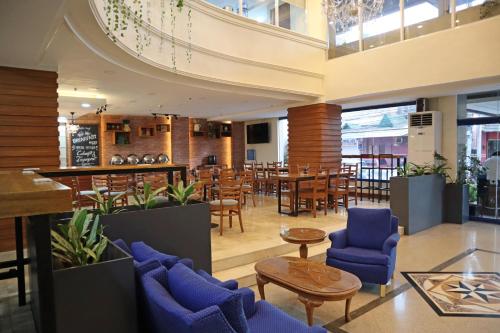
303 236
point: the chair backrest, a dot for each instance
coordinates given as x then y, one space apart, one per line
320 183
156 180
118 183
260 172
248 166
100 180
369 227
247 177
70 182
206 175
230 189
227 174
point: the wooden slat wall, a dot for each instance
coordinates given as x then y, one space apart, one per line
314 135
28 127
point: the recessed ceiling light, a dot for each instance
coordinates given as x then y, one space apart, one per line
331 22
85 105
371 46
457 21
420 26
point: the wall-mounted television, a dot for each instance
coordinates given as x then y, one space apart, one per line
258 133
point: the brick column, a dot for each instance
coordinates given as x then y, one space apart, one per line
314 135
180 140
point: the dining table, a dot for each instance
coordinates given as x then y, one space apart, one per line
297 178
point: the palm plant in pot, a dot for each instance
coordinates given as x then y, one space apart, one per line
87 267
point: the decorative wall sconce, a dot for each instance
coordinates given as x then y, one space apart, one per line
126 125
73 127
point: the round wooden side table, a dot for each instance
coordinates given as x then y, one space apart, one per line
303 236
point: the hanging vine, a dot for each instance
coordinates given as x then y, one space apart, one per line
118 15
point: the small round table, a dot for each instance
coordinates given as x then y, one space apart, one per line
303 236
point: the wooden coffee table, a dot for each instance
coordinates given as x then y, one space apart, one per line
314 282
304 236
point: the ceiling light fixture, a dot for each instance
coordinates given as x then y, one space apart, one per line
85 105
168 115
101 109
420 26
73 127
345 13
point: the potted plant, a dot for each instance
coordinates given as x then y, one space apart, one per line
417 194
462 190
89 272
179 227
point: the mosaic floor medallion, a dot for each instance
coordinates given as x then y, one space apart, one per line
459 293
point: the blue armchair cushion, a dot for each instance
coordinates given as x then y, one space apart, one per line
269 319
339 239
195 293
142 252
390 243
368 228
122 245
359 255
143 267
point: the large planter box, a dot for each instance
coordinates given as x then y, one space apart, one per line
179 230
456 203
417 201
99 297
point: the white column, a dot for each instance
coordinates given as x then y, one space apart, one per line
360 24
240 4
277 13
402 19
453 10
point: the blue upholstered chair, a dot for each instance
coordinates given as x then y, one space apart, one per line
367 247
180 301
145 258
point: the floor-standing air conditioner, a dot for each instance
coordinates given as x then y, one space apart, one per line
424 136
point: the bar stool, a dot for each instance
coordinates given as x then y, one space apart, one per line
367 175
386 169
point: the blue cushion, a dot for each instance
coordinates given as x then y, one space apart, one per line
368 228
229 284
195 293
122 245
269 319
142 252
359 255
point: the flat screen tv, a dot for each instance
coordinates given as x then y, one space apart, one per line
258 133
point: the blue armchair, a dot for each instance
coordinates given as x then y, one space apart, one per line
181 301
367 248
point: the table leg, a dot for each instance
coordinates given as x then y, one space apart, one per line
21 285
310 305
279 196
347 310
303 251
260 284
296 209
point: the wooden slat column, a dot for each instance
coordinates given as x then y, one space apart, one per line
28 127
314 136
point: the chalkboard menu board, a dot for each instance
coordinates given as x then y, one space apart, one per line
85 146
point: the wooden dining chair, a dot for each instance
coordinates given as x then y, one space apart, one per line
84 190
317 194
227 174
248 187
206 180
119 184
260 177
272 181
72 183
229 203
157 180
248 166
352 183
339 190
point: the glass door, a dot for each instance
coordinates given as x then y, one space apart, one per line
479 143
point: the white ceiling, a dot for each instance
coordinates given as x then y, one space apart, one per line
84 77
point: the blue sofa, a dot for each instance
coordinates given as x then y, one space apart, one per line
180 301
146 259
367 247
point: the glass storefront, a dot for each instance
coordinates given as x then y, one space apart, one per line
479 146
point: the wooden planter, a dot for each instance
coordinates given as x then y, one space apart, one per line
417 201
183 231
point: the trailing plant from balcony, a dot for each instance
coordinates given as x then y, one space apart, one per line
147 199
182 194
80 242
120 12
105 204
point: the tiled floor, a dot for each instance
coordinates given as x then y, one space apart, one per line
447 247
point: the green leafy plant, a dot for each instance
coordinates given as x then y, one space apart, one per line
147 199
105 204
440 166
182 194
80 242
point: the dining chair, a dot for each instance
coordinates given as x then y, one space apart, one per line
70 182
338 190
353 181
317 193
206 180
260 177
119 184
84 190
248 187
272 181
229 203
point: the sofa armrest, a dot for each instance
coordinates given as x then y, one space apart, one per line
390 243
187 262
339 239
229 284
248 299
210 319
142 268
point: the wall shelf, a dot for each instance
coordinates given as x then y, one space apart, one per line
146 132
114 127
162 128
121 138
